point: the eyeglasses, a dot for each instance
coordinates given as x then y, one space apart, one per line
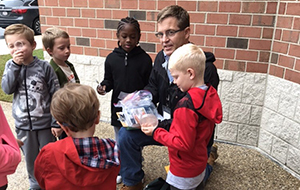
168 33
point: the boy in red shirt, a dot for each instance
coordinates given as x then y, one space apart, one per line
194 118
80 161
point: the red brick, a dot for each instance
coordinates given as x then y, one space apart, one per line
104 13
197 17
104 52
45 11
163 4
41 2
42 20
213 18
264 56
231 7
271 7
96 23
74 31
151 16
290 36
268 33
147 4
97 42
112 4
296 23
263 20
278 34
293 76
150 37
91 51
286 61
107 34
81 22
205 29
219 63
152 55
280 47
239 19
215 41
59 12
118 14
253 7
207 49
72 41
294 50
66 21
297 64
293 9
87 32
199 40
188 5
253 32
79 3
276 71
64 3
88 13
246 55
147 26
95 3
208 6
259 44
51 3
77 50
281 8
227 30
73 12
224 53
52 21
111 44
235 65
257 67
129 4
284 22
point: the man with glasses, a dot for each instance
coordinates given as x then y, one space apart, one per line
173 24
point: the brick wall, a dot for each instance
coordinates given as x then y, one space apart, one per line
244 35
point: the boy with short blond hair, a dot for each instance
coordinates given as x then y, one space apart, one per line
33 82
57 43
194 118
80 161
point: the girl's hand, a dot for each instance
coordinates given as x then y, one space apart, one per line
101 89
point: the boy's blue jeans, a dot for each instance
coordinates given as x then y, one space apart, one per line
130 144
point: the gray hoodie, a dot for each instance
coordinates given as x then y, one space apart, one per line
31 102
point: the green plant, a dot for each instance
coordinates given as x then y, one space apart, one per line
3 59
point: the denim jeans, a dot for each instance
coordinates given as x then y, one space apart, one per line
130 145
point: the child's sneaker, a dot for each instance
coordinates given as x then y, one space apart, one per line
119 179
138 186
213 155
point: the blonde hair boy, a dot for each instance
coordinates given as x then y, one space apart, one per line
49 36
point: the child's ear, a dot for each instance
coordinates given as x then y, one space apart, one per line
33 45
49 51
191 72
97 120
66 129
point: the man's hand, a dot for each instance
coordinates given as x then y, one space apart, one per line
56 131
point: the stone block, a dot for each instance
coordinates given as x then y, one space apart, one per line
253 93
293 159
255 115
279 150
297 112
289 132
225 109
271 121
287 104
248 134
272 97
265 141
227 131
239 113
225 75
